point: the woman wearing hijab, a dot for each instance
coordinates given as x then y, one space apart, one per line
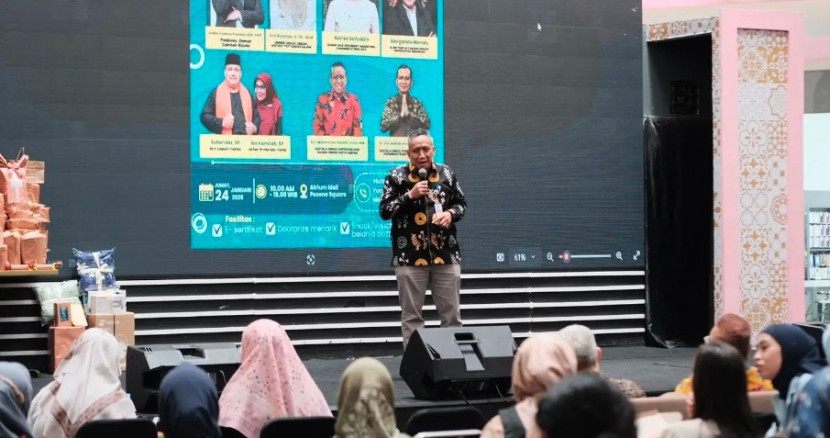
188 404
366 404
85 388
788 356
269 106
15 397
541 361
271 382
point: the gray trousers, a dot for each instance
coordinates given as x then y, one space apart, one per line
445 283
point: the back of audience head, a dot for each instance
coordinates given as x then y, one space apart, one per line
733 330
784 352
719 384
584 344
541 360
188 404
271 382
586 406
96 351
15 398
366 402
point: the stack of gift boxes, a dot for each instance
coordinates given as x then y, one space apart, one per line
104 303
23 218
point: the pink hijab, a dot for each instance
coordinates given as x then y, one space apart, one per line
542 360
271 382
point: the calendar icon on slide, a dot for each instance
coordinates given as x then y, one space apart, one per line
205 192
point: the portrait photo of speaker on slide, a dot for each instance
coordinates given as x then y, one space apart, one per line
269 105
236 13
357 16
293 14
409 17
403 113
338 112
230 107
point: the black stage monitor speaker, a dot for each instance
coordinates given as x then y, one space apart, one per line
476 361
148 364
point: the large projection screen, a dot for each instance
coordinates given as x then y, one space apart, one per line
537 106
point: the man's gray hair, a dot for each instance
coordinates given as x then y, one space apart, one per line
584 344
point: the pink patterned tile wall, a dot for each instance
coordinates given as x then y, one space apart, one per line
762 142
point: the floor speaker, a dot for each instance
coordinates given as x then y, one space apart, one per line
148 364
459 362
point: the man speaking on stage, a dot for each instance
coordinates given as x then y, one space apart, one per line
424 201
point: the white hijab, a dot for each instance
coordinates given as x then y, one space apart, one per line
86 388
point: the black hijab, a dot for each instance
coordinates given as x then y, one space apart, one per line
188 404
15 398
799 355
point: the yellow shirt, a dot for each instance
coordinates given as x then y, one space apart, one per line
754 382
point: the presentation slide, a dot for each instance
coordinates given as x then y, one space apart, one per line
298 110
264 155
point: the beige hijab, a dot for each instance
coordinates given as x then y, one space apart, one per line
366 403
541 361
86 387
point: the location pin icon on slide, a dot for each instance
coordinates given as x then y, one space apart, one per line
303 191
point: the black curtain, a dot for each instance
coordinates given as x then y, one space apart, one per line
679 302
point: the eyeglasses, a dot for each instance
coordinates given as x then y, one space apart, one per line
259 87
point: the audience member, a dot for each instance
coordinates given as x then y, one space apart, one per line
86 387
720 405
15 397
788 356
812 407
271 382
366 404
811 416
586 405
736 332
269 106
588 356
541 361
188 404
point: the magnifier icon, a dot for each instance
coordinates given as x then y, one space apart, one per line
619 255
549 256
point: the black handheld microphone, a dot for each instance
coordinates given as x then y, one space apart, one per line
422 173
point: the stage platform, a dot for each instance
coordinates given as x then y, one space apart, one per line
657 370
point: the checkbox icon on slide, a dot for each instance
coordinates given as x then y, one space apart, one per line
216 230
270 228
345 228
